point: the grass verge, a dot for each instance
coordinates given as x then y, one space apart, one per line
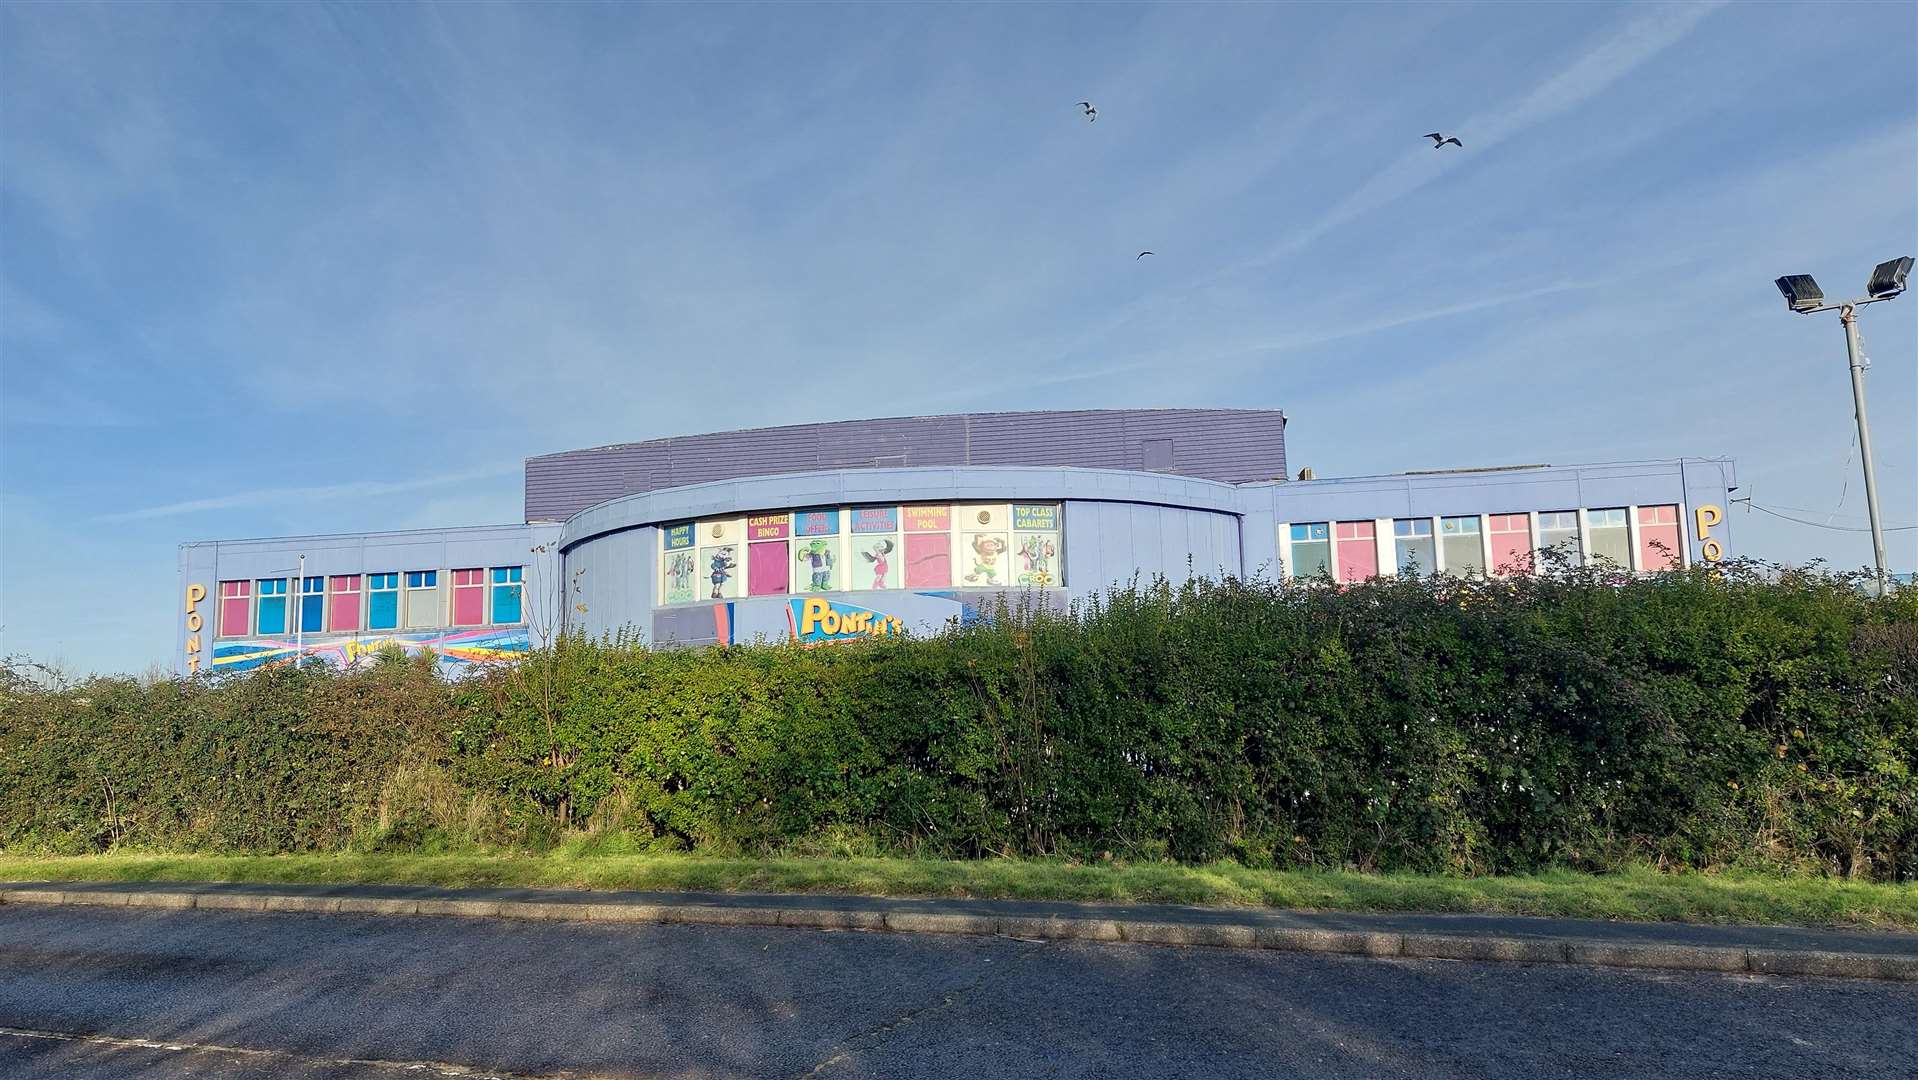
1629 894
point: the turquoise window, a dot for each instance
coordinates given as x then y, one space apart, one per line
313 605
382 601
271 614
506 594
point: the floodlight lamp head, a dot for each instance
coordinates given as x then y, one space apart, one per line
1801 293
1888 278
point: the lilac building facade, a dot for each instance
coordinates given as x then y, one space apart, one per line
826 532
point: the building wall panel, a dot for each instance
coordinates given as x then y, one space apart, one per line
1230 445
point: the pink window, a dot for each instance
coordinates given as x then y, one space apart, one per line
1511 543
768 569
1358 550
343 610
469 597
236 604
1658 538
928 560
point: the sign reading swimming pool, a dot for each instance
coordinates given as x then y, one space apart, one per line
818 619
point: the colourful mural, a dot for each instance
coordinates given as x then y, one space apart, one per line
986 549
831 549
722 564
1036 553
454 649
874 567
817 555
682 567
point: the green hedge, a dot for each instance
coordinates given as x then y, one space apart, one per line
1693 719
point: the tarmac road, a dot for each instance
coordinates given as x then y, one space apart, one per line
246 995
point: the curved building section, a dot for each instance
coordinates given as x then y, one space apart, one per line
881 550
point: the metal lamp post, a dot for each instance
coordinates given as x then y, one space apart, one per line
1803 296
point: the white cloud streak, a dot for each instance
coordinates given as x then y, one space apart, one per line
288 496
1639 41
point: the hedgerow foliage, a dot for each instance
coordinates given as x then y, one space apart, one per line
1699 719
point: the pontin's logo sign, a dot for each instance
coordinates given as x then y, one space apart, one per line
817 619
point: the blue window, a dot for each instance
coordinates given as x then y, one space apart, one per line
382 601
506 594
271 616
312 605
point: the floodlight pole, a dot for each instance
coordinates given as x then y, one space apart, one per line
1848 314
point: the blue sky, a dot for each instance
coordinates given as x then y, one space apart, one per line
315 268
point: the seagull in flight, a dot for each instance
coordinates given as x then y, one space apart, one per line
1439 140
1142 255
1092 114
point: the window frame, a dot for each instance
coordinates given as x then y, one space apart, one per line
479 582
517 584
260 597
430 584
1293 540
333 595
305 594
373 591
1429 537
1592 530
1477 530
245 598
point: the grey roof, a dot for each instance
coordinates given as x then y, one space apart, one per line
1229 445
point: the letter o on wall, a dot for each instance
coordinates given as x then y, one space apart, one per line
193 622
1711 551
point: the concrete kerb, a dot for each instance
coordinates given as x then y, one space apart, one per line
1667 956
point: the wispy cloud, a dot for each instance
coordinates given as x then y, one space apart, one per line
1600 67
288 496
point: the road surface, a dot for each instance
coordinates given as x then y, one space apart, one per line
106 992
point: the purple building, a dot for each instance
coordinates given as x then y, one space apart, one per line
831 531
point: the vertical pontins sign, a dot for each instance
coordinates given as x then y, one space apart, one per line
1709 549
195 593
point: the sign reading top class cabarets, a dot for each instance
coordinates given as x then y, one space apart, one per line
1035 517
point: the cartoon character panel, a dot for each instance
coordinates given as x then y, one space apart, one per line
889 548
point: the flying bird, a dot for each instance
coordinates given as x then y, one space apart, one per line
1142 255
1439 140
1092 114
